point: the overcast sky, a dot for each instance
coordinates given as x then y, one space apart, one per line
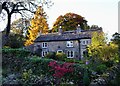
103 13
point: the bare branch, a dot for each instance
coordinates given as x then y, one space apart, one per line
22 7
20 13
2 16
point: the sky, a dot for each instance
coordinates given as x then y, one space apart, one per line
103 13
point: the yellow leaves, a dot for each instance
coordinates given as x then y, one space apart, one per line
113 45
38 24
104 52
98 39
100 49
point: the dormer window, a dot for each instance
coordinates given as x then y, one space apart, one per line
69 44
44 45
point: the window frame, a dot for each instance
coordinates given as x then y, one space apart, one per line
70 44
44 53
71 54
44 45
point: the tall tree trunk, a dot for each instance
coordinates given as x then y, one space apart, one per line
5 37
8 25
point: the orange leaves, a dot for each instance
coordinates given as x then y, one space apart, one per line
69 21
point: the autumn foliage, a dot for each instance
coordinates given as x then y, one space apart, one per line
100 50
60 70
38 25
69 21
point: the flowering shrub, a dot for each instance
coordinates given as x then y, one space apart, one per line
49 69
60 69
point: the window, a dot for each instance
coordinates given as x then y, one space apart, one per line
44 45
44 53
69 44
87 42
83 42
59 51
70 54
85 52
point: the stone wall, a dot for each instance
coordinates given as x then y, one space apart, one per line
61 45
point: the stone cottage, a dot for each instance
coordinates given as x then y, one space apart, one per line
72 43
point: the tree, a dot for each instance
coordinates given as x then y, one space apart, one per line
20 26
69 21
116 40
99 50
14 40
97 41
17 34
95 27
23 7
38 25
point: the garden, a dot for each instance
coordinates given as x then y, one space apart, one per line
25 68
21 66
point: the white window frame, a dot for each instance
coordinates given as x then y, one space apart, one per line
70 56
59 51
44 53
44 45
70 43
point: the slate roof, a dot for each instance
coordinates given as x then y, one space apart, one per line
66 36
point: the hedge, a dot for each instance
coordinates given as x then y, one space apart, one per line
20 61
